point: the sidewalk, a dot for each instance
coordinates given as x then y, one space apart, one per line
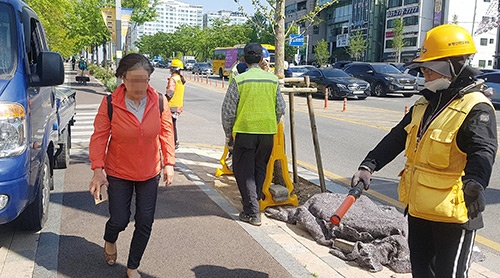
291 247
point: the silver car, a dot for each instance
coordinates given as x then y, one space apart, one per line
202 68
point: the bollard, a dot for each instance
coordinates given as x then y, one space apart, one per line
222 82
406 109
344 106
207 78
327 92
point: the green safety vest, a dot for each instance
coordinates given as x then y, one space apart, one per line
256 112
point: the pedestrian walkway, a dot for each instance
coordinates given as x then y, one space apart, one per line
196 231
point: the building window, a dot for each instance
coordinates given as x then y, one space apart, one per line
410 41
482 63
315 30
407 2
388 44
410 20
490 62
492 41
390 23
394 3
483 42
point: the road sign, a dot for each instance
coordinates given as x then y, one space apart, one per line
296 40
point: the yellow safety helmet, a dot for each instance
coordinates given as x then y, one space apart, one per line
446 40
176 64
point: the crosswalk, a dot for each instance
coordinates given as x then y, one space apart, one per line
83 128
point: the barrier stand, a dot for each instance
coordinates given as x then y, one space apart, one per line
406 109
275 194
224 170
327 92
344 106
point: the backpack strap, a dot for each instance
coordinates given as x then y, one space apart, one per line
110 106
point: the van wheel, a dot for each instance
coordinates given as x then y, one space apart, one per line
221 73
35 215
407 94
62 158
378 90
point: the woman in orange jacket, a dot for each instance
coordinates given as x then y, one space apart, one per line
124 151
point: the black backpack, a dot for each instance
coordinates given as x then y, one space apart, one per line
110 106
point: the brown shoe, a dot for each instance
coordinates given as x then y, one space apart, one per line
109 258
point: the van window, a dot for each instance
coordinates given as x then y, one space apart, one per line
8 55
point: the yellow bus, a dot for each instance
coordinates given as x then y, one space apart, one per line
225 58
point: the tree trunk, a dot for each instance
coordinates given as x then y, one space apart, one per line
279 70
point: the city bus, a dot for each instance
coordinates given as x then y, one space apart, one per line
225 58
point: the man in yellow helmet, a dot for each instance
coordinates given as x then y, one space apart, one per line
251 110
449 139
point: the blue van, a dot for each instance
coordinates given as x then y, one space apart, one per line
29 131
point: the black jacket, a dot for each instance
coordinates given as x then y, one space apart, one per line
477 137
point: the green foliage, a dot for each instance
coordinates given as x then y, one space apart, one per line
321 52
397 41
357 45
105 75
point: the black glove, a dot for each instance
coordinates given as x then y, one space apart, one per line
364 174
474 197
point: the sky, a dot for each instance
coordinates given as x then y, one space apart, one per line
217 5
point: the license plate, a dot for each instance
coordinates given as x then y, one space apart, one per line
409 87
358 92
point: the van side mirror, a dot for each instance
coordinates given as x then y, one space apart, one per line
49 70
369 71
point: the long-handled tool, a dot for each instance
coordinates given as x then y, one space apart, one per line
352 196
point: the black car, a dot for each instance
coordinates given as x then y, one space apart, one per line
384 78
202 68
492 80
338 83
162 64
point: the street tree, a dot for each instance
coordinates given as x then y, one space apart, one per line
321 52
357 46
398 41
274 11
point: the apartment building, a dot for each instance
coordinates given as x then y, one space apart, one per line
172 14
233 17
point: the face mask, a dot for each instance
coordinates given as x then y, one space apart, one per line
437 84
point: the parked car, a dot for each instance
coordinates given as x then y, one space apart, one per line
338 83
202 68
162 64
492 79
384 78
299 70
341 64
188 65
419 75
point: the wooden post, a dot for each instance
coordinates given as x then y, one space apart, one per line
291 103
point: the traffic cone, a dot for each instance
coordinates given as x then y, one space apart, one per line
222 82
406 109
344 106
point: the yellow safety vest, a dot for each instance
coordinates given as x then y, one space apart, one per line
431 182
177 99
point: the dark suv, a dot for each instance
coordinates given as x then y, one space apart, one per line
384 78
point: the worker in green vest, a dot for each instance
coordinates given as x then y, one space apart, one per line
251 110
449 139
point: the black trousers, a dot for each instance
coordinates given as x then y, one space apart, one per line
441 250
120 194
251 153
